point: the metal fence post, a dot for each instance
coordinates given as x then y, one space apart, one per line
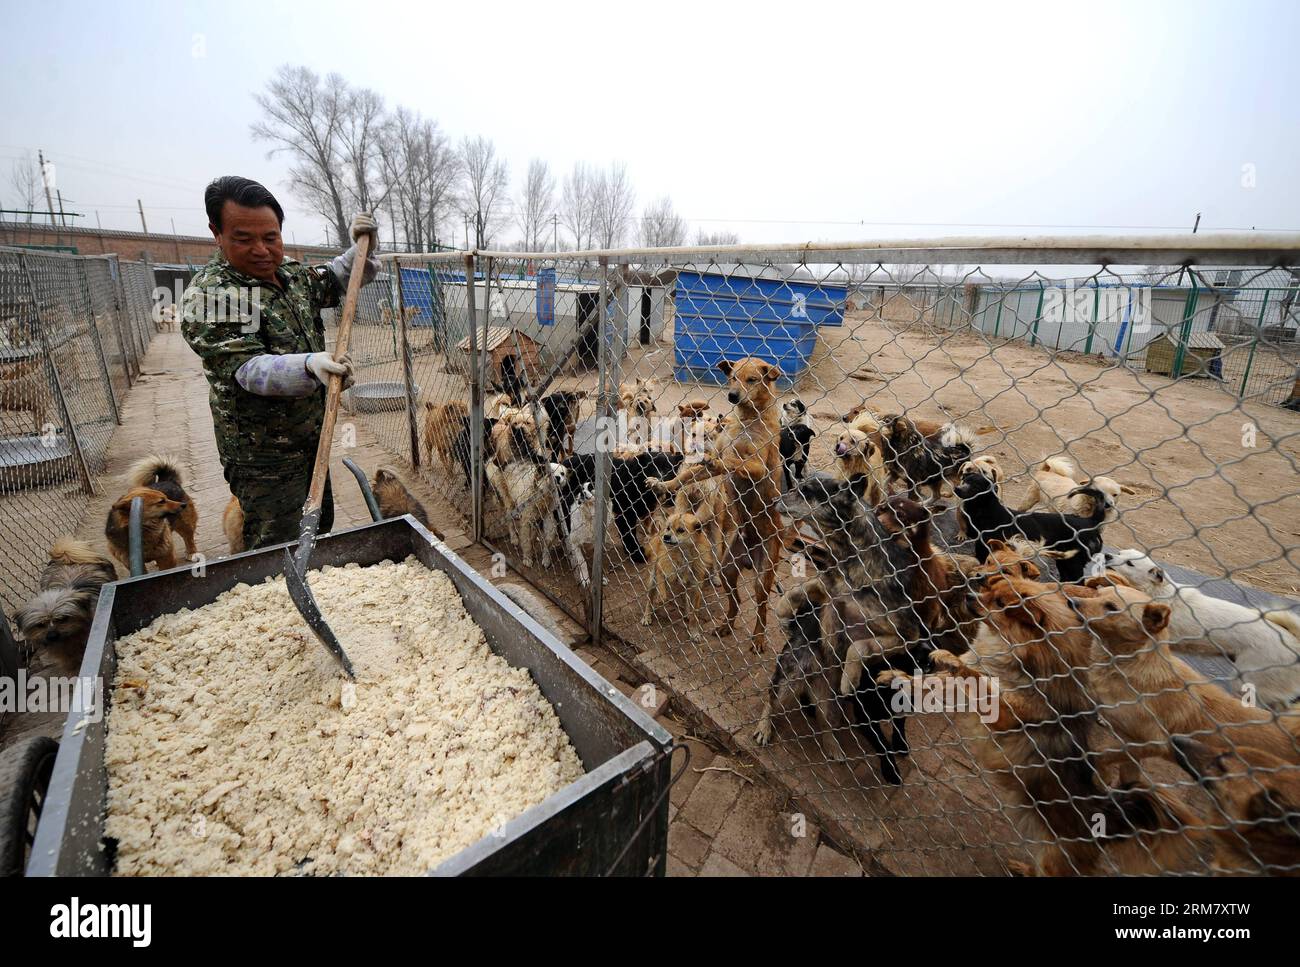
1185 332
56 384
475 409
1092 323
1254 344
123 347
406 372
149 283
602 454
1038 315
99 346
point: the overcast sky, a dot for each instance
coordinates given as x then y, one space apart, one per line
780 121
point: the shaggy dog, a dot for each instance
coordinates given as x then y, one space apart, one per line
57 620
857 455
918 460
442 423
166 509
162 473
394 499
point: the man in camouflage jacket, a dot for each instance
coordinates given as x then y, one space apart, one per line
253 317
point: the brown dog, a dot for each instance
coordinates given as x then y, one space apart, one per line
232 525
25 387
1145 693
1035 751
442 424
856 454
394 499
162 473
158 516
748 452
680 564
1257 796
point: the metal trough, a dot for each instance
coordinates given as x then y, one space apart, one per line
580 830
379 397
33 461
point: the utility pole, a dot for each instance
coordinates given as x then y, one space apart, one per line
1198 223
143 224
45 180
555 232
176 241
63 219
97 222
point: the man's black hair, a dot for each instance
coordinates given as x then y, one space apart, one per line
242 191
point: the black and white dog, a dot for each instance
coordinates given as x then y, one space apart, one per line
1070 538
797 434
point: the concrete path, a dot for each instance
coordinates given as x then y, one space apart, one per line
724 822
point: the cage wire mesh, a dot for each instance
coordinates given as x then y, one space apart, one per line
835 446
68 355
660 442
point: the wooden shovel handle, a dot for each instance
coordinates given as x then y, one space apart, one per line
335 388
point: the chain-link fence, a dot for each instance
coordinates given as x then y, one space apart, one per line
72 333
776 481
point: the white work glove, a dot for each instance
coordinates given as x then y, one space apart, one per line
363 223
323 365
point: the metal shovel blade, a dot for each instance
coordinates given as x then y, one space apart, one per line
295 578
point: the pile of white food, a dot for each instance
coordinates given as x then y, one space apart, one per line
236 746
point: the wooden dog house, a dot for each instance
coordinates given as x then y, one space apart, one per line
1198 358
503 341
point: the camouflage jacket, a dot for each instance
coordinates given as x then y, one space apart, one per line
228 317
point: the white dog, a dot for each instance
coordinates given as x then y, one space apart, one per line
1053 480
582 532
530 495
1263 645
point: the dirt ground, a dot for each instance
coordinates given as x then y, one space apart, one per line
1216 479
1205 500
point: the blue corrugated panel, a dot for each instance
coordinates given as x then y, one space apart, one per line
546 297
719 317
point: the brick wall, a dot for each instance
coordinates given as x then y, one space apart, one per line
135 245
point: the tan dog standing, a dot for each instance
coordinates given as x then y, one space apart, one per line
748 452
680 562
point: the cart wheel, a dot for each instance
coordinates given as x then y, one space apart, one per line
24 778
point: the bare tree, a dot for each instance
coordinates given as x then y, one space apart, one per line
661 226
362 122
536 205
484 180
577 206
304 117
26 182
613 198
716 238
421 168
